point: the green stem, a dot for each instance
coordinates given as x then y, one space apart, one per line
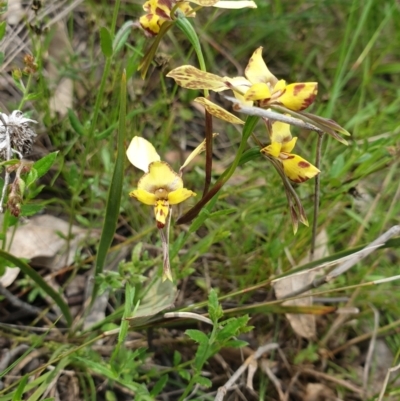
194 211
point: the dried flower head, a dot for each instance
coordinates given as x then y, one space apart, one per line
16 136
30 64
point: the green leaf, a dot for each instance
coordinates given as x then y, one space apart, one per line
3 26
33 96
43 165
184 374
115 191
37 278
214 308
177 358
197 336
31 209
20 389
250 154
203 381
1 58
106 42
232 327
122 36
235 344
224 212
31 178
158 387
75 123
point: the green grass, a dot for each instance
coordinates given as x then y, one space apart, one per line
241 239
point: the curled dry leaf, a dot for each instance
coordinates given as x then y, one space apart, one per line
302 324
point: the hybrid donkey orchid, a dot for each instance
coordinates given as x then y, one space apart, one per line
160 187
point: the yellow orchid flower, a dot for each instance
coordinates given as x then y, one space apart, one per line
295 167
160 186
159 11
259 86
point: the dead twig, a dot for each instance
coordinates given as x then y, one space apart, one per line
349 263
316 197
332 379
370 352
385 382
259 352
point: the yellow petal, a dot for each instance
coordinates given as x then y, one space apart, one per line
257 71
258 91
199 149
160 176
179 196
150 6
192 78
161 210
279 87
218 111
288 146
141 153
281 133
235 4
143 196
298 96
151 23
186 9
296 168
273 150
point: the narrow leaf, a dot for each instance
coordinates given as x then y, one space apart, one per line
106 41
115 191
75 123
2 29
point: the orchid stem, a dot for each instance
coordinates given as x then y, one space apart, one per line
209 150
195 210
316 196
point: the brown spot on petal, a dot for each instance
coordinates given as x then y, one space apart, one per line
160 225
167 3
310 99
299 180
298 88
162 14
303 164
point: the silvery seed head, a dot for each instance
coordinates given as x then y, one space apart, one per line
20 134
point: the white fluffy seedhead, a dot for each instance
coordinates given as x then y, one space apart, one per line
16 134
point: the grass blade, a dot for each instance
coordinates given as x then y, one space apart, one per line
114 193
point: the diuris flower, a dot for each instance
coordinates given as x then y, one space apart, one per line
258 86
160 187
295 167
159 11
